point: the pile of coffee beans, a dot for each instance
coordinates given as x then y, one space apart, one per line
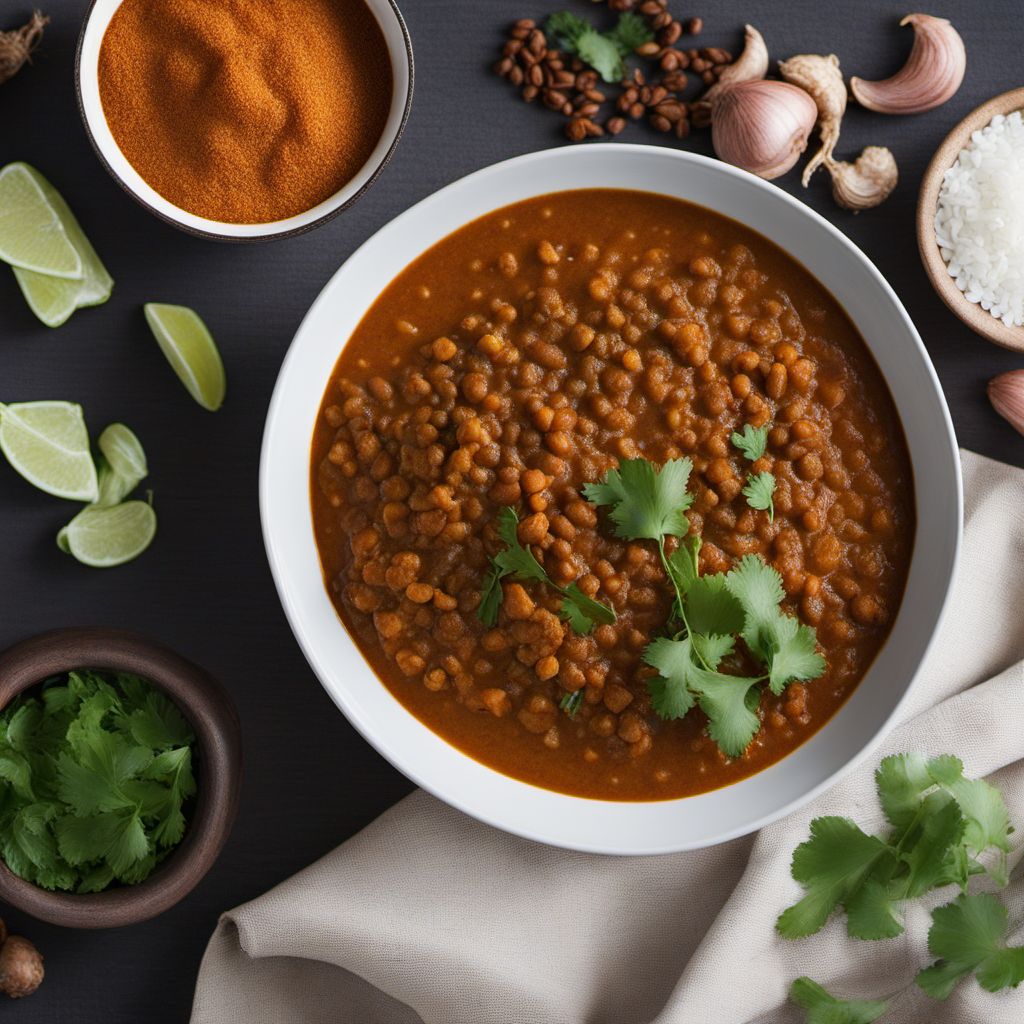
563 83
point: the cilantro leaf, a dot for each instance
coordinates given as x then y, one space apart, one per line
759 490
940 830
670 689
602 54
566 28
967 936
752 442
516 560
732 723
712 608
583 612
158 723
571 702
711 648
792 653
491 597
579 610
831 866
901 780
871 910
758 588
646 503
824 1008
684 563
630 31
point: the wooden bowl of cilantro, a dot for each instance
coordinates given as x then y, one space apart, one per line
120 767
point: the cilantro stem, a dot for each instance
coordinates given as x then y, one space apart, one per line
680 603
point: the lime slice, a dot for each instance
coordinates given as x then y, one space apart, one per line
123 452
48 444
54 299
32 234
121 466
104 537
191 351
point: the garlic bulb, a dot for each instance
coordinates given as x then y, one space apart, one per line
1006 393
868 181
751 64
822 79
762 125
932 74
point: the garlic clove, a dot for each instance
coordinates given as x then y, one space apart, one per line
822 79
1006 393
751 64
762 125
868 181
932 74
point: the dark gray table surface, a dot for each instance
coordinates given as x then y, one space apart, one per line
204 587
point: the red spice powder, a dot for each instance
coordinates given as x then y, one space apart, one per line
245 111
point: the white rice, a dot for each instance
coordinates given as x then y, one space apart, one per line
979 224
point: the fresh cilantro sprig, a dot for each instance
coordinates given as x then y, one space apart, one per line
517 561
605 52
759 489
945 828
95 772
824 1008
649 503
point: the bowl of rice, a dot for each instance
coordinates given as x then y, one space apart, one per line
970 220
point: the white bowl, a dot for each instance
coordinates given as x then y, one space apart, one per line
399 45
578 823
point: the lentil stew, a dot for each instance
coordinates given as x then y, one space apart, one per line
522 357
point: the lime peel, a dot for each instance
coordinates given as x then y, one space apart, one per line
103 537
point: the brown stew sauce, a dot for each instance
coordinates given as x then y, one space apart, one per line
523 356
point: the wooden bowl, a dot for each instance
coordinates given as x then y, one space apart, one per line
213 718
978 319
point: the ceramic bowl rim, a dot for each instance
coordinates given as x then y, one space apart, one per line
490 801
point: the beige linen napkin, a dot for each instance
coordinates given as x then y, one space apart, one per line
430 916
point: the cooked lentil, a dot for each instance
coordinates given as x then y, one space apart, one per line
541 344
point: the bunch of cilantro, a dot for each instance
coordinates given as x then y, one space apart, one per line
94 774
710 614
944 830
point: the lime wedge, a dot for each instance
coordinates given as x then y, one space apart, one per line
48 444
121 466
185 341
104 537
32 235
54 299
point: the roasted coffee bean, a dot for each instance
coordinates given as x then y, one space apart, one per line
660 124
651 49
575 131
709 77
682 128
554 100
669 60
595 95
537 43
588 109
675 81
503 66
694 26
716 55
564 79
670 34
637 111
660 21
530 93
614 125
536 76
700 65
650 8
516 76
700 114
512 47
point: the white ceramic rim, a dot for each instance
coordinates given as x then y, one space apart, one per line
538 814
399 45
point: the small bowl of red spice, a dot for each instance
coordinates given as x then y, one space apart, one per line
244 121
